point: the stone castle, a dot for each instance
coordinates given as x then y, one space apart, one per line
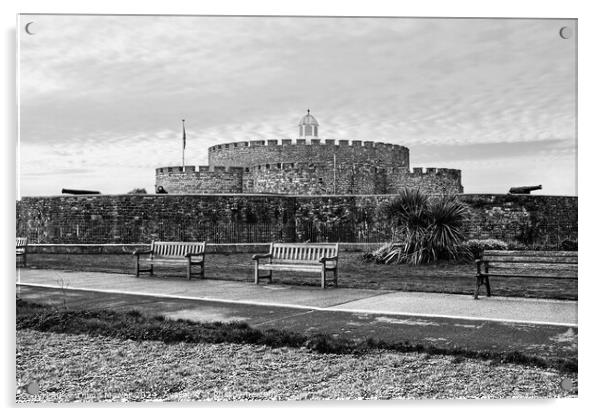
308 166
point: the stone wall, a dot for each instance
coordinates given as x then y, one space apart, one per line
307 168
307 178
430 181
316 178
143 218
260 152
200 179
533 219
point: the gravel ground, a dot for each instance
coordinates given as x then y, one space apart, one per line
76 368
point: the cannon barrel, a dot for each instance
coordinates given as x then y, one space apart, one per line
524 189
79 192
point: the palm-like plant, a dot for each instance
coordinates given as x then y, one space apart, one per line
424 229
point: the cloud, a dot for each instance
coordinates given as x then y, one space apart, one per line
111 90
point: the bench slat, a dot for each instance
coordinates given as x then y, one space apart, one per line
531 276
533 266
531 253
541 259
302 253
163 249
287 267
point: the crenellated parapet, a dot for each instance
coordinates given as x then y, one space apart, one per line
429 180
196 169
306 142
421 172
200 179
259 152
317 177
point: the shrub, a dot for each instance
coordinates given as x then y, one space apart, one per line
424 229
517 245
568 245
476 247
137 191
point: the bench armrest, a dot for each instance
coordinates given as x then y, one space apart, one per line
325 259
262 256
139 252
200 253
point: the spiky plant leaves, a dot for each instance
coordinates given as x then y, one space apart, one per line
425 229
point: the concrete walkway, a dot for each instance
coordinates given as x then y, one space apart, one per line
381 302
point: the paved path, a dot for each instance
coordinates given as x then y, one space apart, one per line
543 341
416 304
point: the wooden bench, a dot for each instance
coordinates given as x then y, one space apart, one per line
172 253
524 264
22 249
318 258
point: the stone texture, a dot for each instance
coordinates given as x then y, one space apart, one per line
307 168
235 218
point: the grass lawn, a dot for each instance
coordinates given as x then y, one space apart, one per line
441 277
127 356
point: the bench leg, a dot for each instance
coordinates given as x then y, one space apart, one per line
151 269
336 278
256 272
323 278
203 269
487 286
137 266
24 259
188 269
477 285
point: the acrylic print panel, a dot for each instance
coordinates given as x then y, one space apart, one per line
344 175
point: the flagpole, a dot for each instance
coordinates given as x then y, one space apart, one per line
183 142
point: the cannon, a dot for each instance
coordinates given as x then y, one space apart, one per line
524 190
79 192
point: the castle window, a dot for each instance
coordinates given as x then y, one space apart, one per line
320 180
308 131
279 165
267 166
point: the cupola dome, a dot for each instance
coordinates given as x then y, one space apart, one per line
308 126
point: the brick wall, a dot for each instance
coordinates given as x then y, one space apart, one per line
264 218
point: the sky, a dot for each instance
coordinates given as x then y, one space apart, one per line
101 98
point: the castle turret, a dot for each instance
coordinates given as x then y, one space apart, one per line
308 126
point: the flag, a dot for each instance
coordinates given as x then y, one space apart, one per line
183 136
